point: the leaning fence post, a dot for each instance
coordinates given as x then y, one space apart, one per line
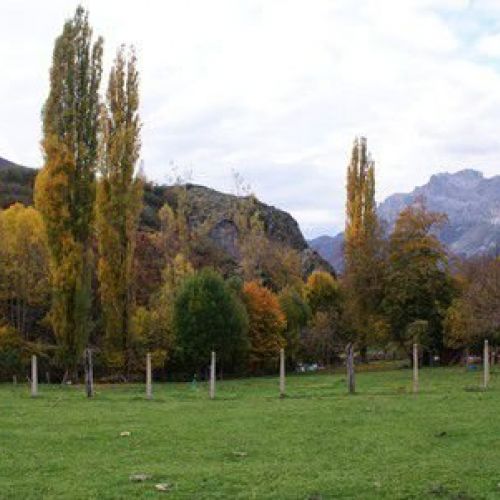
486 364
89 373
415 368
282 373
351 383
34 376
149 388
212 376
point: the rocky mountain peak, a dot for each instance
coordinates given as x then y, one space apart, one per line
470 200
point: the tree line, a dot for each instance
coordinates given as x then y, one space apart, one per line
76 270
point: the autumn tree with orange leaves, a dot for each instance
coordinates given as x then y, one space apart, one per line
267 325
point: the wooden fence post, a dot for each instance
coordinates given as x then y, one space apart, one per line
486 365
282 373
34 376
149 387
89 373
351 383
212 376
415 368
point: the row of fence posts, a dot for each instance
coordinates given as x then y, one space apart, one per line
351 383
486 365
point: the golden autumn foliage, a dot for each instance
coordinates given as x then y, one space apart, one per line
322 291
118 206
65 187
23 263
364 246
267 324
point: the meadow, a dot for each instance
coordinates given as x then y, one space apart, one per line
316 443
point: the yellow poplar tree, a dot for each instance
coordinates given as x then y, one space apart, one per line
119 204
363 246
65 187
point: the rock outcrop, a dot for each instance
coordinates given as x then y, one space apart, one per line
208 208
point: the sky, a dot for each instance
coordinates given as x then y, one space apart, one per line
277 90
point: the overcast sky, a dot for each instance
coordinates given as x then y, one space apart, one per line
278 89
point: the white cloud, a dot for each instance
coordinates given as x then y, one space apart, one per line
489 45
277 89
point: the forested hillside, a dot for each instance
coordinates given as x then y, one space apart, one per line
210 212
16 183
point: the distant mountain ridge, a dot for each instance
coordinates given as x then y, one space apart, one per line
470 200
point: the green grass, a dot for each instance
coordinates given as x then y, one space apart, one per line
318 442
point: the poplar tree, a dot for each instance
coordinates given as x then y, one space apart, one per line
119 204
363 246
65 187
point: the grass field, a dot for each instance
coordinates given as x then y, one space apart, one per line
317 443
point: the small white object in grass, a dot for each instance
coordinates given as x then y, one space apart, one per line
240 453
125 433
163 486
140 477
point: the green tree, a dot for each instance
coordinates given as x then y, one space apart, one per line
118 207
13 357
208 316
65 187
418 282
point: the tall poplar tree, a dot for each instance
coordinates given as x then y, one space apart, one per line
363 246
65 187
119 203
